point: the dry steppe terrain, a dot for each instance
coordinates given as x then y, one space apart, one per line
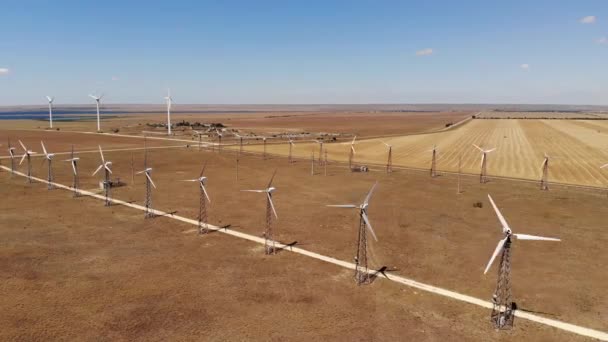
74 269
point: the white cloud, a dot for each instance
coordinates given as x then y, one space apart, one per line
3 71
424 52
115 78
590 19
603 40
525 66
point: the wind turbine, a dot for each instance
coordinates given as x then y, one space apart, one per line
75 180
97 101
49 159
351 155
169 101
502 312
106 180
202 208
389 161
483 177
11 152
50 99
269 244
27 153
434 161
291 145
264 139
219 137
361 266
320 142
149 184
544 180
240 142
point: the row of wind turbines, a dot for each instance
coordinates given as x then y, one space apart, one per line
503 309
97 98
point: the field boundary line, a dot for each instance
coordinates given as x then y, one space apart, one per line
583 331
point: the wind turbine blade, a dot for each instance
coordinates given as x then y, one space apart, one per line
73 167
24 148
140 172
369 225
369 194
203 170
97 170
352 143
272 205
22 158
272 178
101 154
150 179
505 225
492 150
353 148
544 162
534 237
483 158
497 251
477 147
190 180
342 206
93 97
205 192
254 190
107 168
44 149
603 166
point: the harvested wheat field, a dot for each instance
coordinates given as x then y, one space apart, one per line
576 149
74 268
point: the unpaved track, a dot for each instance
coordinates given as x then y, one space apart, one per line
402 280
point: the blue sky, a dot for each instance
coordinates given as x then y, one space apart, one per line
305 51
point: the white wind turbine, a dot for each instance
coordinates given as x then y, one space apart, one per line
202 209
502 313
148 202
269 244
389 160
49 159
169 101
291 145
11 152
484 159
75 181
50 99
361 269
27 154
106 180
97 101
351 155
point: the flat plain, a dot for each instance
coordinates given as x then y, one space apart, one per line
75 268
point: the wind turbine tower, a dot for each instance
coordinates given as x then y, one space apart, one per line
269 243
483 174
434 161
264 138
169 101
361 270
389 161
291 145
219 137
149 184
75 180
351 155
107 185
203 198
502 311
27 154
50 99
544 180
97 102
49 159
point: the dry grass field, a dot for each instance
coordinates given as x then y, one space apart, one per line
577 148
77 270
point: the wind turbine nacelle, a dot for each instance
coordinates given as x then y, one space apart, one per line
271 189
